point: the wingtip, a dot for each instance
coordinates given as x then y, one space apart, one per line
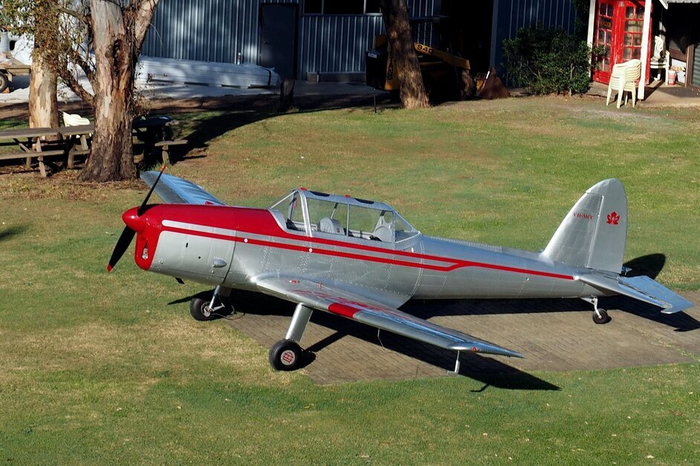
488 349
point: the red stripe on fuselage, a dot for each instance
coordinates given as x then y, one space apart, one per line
261 222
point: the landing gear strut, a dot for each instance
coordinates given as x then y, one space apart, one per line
208 309
600 316
286 355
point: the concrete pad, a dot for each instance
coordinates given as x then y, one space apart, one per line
657 95
554 335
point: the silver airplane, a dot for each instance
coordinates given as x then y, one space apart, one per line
361 260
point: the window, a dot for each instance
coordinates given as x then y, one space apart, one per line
363 221
340 7
291 210
328 217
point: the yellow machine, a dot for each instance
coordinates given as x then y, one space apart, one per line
446 76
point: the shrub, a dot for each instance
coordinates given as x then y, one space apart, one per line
547 61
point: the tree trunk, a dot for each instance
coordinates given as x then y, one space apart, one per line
398 30
112 156
43 101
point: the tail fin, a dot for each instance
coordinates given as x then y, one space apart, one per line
594 232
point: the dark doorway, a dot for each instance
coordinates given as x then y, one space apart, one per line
467 31
278 38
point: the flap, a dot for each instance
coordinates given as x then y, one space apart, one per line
353 305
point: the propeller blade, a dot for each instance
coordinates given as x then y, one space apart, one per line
121 247
142 209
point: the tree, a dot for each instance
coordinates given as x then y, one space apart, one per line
398 29
117 33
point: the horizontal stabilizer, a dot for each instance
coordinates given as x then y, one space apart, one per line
174 190
649 287
642 289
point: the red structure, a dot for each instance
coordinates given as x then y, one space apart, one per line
619 27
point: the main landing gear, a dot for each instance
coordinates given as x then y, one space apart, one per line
286 355
600 316
211 308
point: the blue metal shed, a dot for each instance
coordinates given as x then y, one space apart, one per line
302 38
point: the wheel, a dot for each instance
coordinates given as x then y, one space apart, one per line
4 82
199 309
604 317
285 355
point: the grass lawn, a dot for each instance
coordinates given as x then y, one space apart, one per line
110 368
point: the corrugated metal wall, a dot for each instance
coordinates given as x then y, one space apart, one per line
206 30
216 30
336 43
511 15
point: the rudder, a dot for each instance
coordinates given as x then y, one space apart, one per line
594 232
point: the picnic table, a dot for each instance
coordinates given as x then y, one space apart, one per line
75 140
33 142
156 133
153 132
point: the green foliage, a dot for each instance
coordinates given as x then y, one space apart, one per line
548 61
16 16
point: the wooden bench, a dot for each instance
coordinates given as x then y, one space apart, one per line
164 145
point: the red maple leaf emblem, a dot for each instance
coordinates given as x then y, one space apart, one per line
613 218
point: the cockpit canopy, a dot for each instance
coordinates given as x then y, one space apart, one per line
319 214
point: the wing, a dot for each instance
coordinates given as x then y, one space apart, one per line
641 288
353 305
174 190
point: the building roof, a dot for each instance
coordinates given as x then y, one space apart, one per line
665 3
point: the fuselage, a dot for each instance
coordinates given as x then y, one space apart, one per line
231 246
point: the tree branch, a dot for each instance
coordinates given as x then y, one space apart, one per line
72 82
75 14
143 14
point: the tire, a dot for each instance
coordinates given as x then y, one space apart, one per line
285 355
603 319
199 309
4 82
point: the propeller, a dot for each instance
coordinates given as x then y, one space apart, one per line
128 233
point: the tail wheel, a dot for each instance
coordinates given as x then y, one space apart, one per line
285 355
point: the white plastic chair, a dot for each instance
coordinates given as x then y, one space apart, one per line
624 79
660 59
73 119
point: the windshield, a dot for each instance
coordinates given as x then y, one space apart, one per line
342 216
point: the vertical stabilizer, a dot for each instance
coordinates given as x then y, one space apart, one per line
594 232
